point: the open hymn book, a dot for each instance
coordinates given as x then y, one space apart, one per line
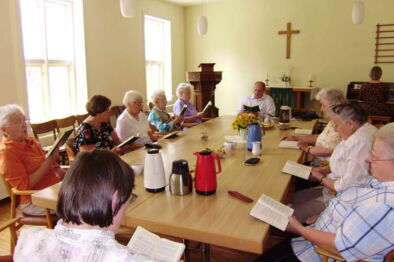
296 169
151 245
288 144
272 212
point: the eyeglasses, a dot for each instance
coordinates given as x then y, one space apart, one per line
133 197
20 122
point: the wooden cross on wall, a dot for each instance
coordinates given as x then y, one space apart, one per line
288 34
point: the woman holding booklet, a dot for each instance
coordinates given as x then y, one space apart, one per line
347 166
159 116
324 144
133 121
96 130
22 160
183 91
93 199
358 223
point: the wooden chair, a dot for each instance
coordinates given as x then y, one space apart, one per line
81 118
45 127
48 220
114 111
326 255
379 121
11 225
67 122
71 152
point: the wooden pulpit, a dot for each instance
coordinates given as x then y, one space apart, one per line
204 83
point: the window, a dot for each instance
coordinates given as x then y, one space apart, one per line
158 55
54 52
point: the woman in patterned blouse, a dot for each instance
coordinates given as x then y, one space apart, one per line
96 131
375 94
159 117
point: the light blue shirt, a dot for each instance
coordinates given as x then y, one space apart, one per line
155 120
362 219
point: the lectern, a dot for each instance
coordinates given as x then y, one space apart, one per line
204 83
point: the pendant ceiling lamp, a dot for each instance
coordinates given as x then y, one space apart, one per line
358 12
202 25
127 8
202 22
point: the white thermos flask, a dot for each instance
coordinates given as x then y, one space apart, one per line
154 175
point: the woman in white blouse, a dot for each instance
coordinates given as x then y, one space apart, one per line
348 163
133 121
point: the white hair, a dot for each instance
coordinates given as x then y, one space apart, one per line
131 96
157 95
386 135
182 87
331 96
7 111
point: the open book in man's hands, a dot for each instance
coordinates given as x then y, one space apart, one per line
272 212
251 109
151 245
59 142
129 141
296 169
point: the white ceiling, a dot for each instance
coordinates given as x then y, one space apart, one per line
192 2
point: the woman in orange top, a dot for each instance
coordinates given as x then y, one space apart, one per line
22 160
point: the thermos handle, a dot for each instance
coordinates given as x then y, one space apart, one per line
218 165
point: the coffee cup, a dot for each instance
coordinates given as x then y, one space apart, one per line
256 148
229 146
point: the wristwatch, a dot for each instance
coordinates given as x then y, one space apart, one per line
309 149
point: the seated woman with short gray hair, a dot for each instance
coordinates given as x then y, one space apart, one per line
22 160
133 121
159 116
347 166
92 202
183 91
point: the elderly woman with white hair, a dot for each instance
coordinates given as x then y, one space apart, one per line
133 121
159 117
22 160
322 145
183 92
348 165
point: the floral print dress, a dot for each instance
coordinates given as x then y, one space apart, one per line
89 135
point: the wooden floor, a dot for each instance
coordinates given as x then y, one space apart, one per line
218 254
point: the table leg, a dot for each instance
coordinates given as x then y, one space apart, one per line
186 254
205 252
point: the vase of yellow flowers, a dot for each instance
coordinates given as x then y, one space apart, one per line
241 123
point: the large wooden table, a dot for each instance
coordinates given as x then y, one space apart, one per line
217 219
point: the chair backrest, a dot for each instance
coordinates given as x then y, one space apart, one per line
67 122
10 223
81 118
282 97
389 257
45 127
71 152
379 121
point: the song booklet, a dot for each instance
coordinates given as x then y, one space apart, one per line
151 245
272 212
297 170
59 142
288 144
